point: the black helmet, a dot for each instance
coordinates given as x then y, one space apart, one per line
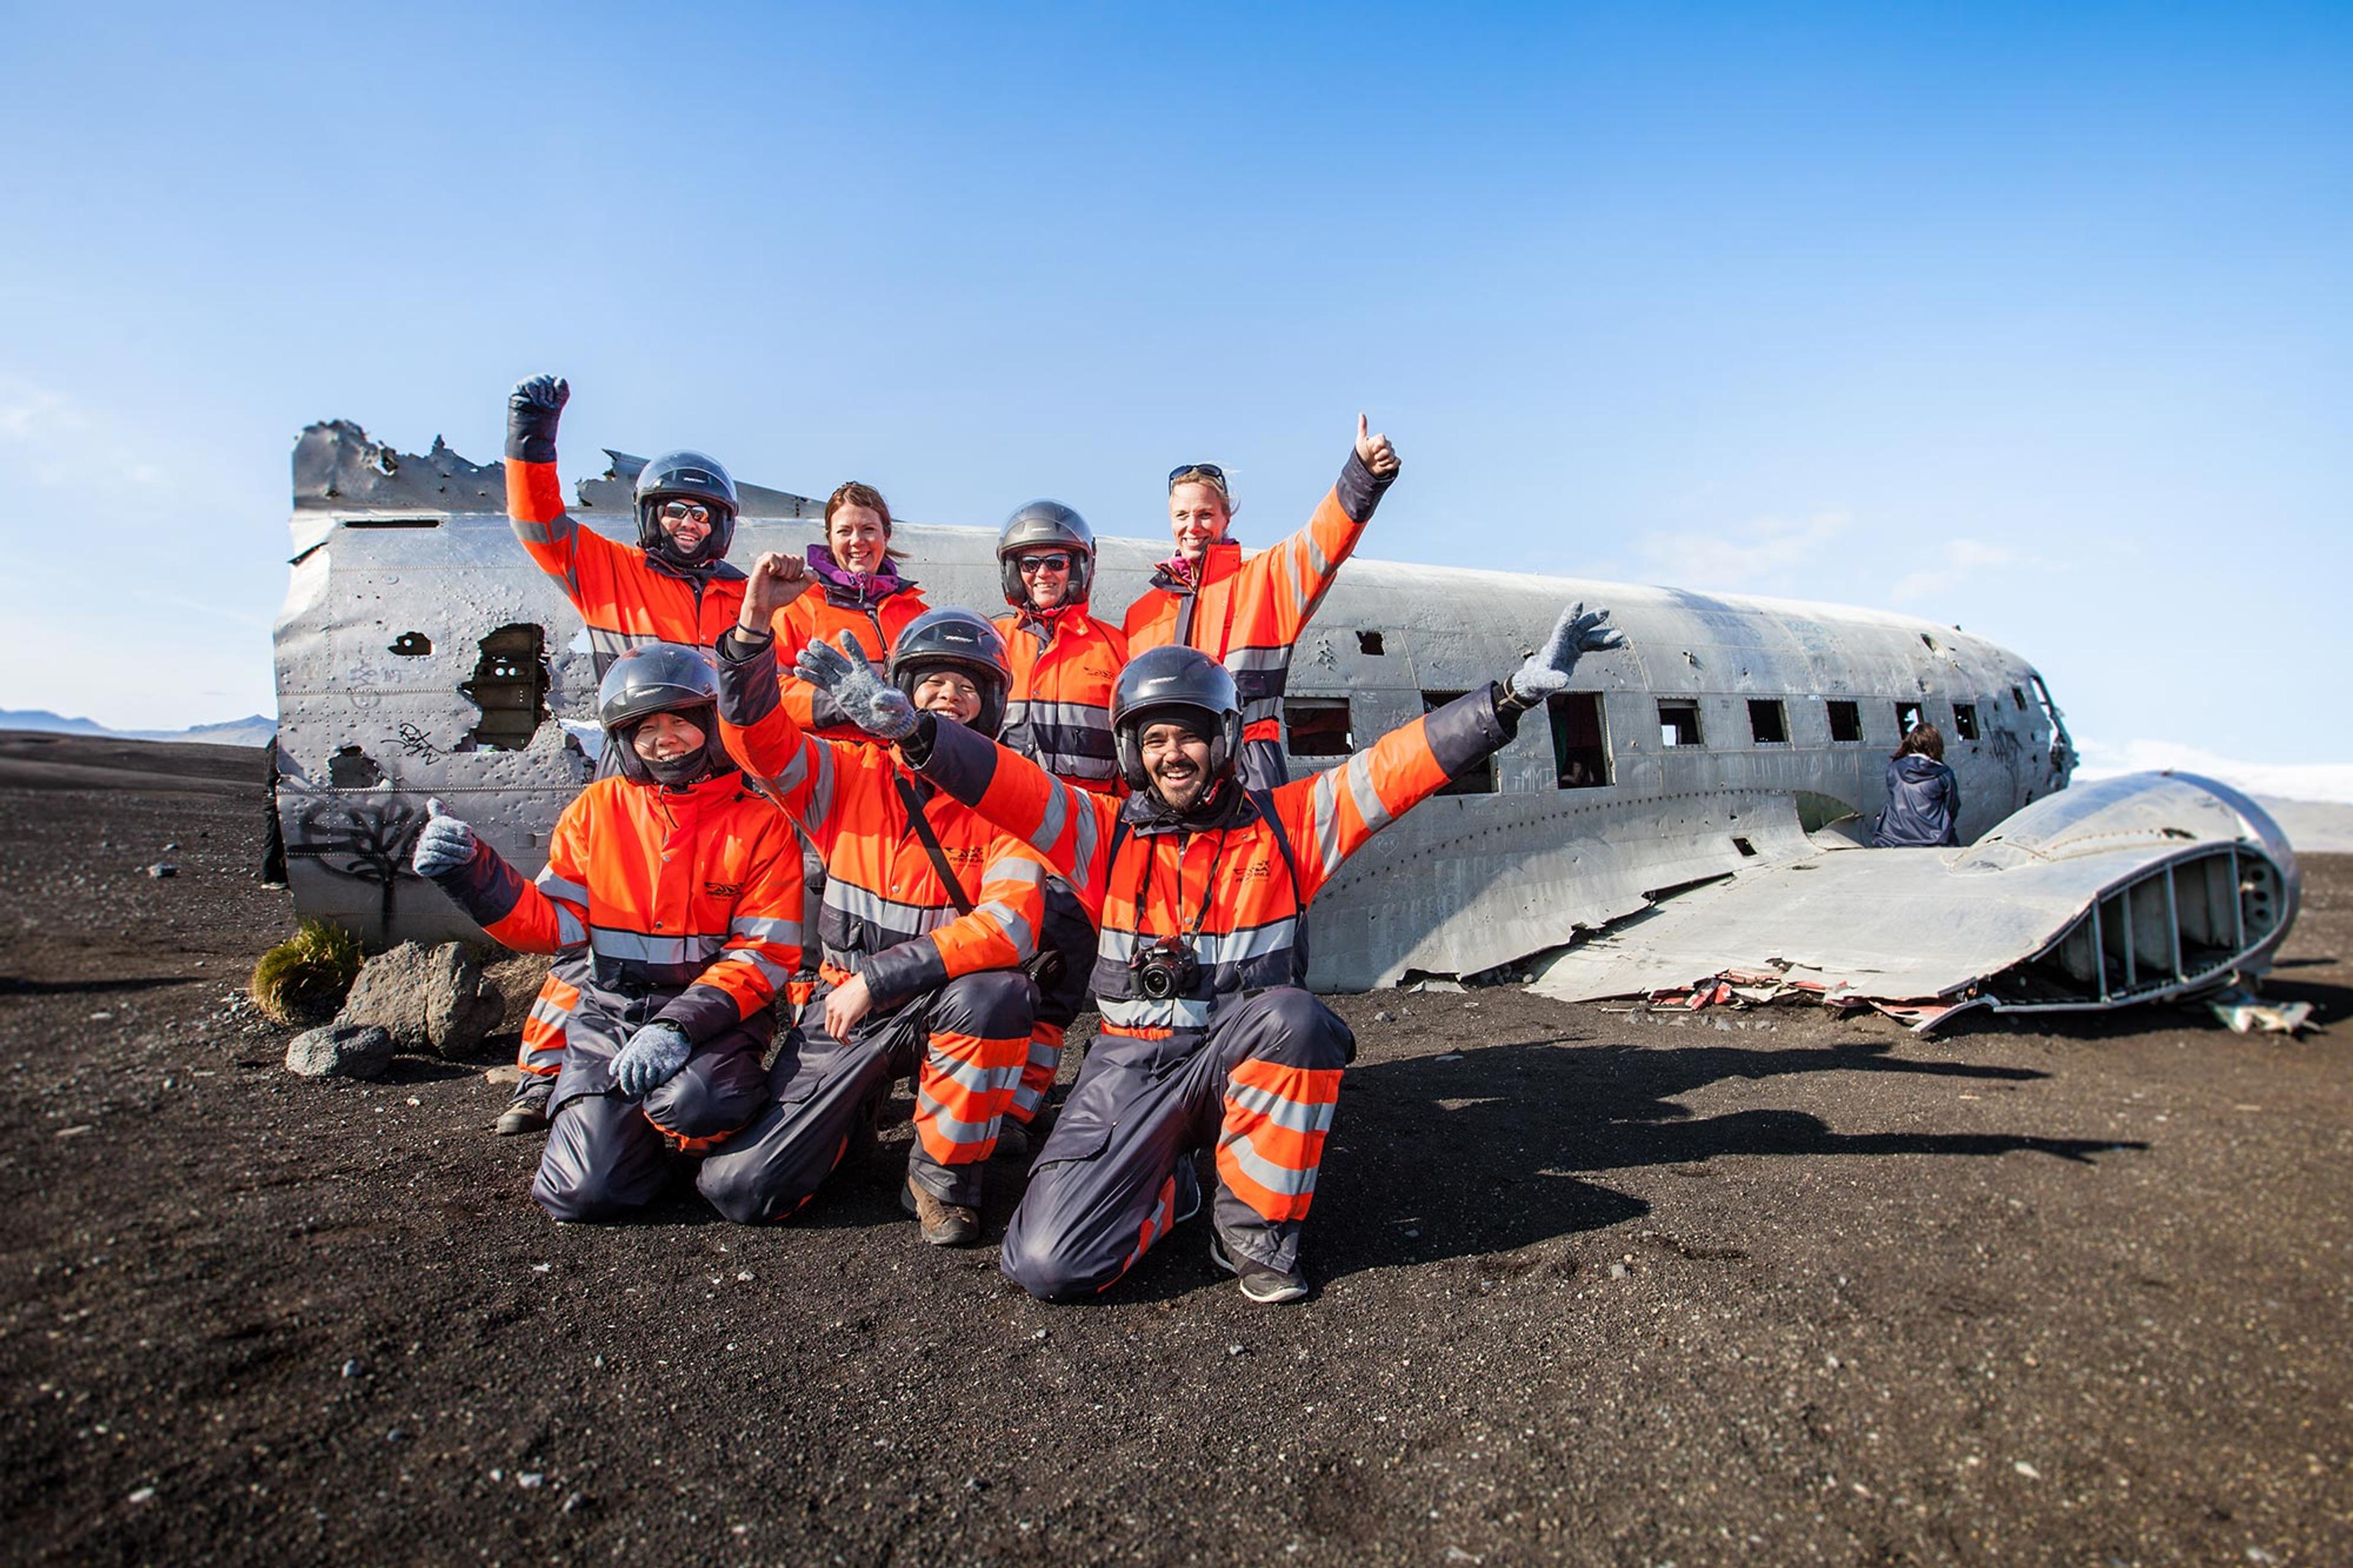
1045 525
1175 681
662 677
685 476
956 639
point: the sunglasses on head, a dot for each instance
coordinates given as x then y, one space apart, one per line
1207 472
1057 562
684 512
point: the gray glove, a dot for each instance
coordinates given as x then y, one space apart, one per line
651 1058
872 704
1576 632
443 845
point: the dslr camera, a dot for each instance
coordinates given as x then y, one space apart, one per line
1167 969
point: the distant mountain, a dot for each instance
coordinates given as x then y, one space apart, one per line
256 730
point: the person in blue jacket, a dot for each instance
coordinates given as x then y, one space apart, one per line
1923 797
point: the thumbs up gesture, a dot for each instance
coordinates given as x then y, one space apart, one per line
444 844
1375 451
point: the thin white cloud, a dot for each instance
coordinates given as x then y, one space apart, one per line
2286 781
1960 558
1765 554
51 441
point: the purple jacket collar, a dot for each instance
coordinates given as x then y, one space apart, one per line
862 587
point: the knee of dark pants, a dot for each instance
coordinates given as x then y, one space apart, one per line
573 1195
711 1098
1031 1261
1307 1034
995 1005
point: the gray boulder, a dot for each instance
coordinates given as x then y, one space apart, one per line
432 1001
340 1050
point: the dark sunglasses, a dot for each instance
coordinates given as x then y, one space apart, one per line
684 512
1209 471
1057 563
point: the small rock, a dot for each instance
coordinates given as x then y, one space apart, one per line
340 1050
505 1078
1449 1057
351 1368
1233 1350
1618 1271
144 1494
1039 1335
575 1502
396 1435
531 1480
2029 1471
1384 1016
101 1017
161 869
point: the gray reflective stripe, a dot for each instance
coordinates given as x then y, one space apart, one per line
859 904
1045 1054
1063 766
1274 1178
616 643
547 1012
972 1075
776 973
1299 1117
569 929
1212 948
764 929
957 1131
1014 869
1319 565
1016 929
1358 773
637 947
1049 826
556 887
534 533
1077 715
1243 658
1367 797
1257 708
1083 835
849 962
1142 1013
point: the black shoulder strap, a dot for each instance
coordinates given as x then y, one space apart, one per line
922 828
1264 801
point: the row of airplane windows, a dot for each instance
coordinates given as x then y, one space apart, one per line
1320 727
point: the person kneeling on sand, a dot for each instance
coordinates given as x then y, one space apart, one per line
1201 886
682 889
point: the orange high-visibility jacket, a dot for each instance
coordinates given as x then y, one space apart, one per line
825 610
1233 886
696 890
886 914
1057 713
626 597
1246 613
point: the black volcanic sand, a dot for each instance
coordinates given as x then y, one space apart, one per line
1592 1290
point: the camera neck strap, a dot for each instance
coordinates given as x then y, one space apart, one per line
921 827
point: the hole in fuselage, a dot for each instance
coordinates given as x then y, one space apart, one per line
510 686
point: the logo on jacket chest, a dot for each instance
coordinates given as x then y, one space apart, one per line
724 890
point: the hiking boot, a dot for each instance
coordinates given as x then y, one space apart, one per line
1012 1140
527 1111
1269 1286
943 1224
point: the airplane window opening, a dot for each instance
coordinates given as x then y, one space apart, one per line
1768 724
1678 724
1965 721
1907 719
1581 742
1846 721
510 686
2018 697
392 522
1370 642
1929 640
412 645
351 768
1317 727
1478 778
1747 849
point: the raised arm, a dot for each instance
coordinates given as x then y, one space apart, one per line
764 942
755 726
1300 570
1335 814
550 915
579 559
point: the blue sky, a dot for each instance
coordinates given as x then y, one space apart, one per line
2036 319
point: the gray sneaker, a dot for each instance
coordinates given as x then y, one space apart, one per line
527 1111
1269 1286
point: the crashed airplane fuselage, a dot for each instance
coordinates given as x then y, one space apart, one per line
421 653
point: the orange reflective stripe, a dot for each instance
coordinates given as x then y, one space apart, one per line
1156 1224
963 1086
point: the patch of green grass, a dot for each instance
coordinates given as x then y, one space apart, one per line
303 979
